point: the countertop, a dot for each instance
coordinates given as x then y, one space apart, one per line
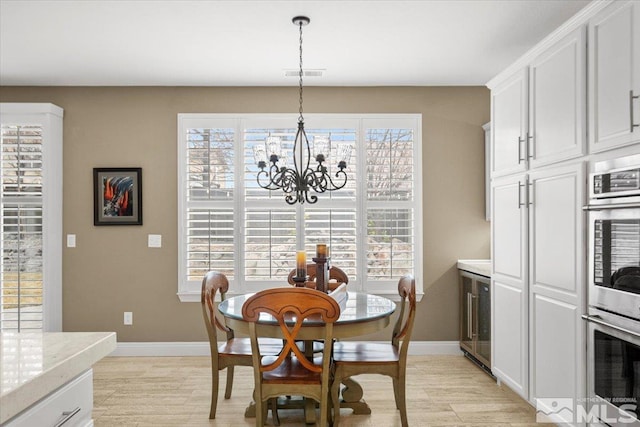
476 266
34 364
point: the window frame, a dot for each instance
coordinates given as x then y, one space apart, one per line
189 291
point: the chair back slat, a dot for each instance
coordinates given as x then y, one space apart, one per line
212 283
290 307
404 324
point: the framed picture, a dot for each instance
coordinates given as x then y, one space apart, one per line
117 196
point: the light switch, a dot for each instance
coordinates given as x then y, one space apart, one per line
71 240
155 240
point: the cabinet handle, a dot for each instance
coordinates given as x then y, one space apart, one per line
530 146
469 316
67 416
631 98
520 185
520 158
529 192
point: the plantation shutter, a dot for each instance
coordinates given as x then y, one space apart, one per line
209 198
390 171
227 222
21 298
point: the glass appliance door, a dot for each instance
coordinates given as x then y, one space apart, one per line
616 257
617 371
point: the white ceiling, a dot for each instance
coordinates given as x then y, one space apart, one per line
251 43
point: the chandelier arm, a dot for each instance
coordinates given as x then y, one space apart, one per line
324 180
273 176
316 181
311 199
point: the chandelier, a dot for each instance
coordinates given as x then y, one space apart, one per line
298 181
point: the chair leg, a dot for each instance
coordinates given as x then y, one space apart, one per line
395 392
227 390
324 406
401 403
260 420
274 411
335 399
214 390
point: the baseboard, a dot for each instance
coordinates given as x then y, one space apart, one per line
201 348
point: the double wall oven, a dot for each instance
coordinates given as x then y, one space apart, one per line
613 319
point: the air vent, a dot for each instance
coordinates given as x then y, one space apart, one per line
305 73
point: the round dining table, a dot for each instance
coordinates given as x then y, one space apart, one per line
360 314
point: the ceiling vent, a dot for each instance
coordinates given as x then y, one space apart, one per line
305 73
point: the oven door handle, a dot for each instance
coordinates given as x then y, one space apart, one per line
611 206
598 320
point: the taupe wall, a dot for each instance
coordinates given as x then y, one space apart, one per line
111 270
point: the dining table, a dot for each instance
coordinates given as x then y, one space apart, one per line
361 314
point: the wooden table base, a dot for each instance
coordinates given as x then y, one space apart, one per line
351 398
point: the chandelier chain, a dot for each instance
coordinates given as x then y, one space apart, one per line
300 118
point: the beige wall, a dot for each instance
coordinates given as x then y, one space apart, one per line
111 270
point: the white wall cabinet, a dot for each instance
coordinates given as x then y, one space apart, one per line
538 226
556 284
509 279
538 112
509 122
538 263
509 228
557 91
614 76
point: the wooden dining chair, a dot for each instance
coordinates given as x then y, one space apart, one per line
335 273
233 351
291 372
363 357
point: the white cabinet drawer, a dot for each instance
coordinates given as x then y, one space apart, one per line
60 405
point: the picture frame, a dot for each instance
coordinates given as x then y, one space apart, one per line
117 196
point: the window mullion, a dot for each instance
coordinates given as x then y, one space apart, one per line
239 195
361 207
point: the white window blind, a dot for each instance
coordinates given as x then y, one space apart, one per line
228 223
30 217
21 299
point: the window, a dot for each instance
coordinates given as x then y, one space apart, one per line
373 226
31 217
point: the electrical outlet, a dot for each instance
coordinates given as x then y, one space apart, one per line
71 240
128 318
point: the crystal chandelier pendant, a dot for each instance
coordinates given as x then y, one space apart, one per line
299 181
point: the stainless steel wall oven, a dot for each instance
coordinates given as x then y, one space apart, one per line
613 361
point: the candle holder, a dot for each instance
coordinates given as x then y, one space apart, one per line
300 281
322 273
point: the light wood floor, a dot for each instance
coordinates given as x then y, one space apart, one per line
176 391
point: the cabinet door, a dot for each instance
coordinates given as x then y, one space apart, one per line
614 76
510 296
510 335
556 282
509 122
508 228
556 241
558 357
557 104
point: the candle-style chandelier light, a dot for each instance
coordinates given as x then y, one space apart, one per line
297 182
